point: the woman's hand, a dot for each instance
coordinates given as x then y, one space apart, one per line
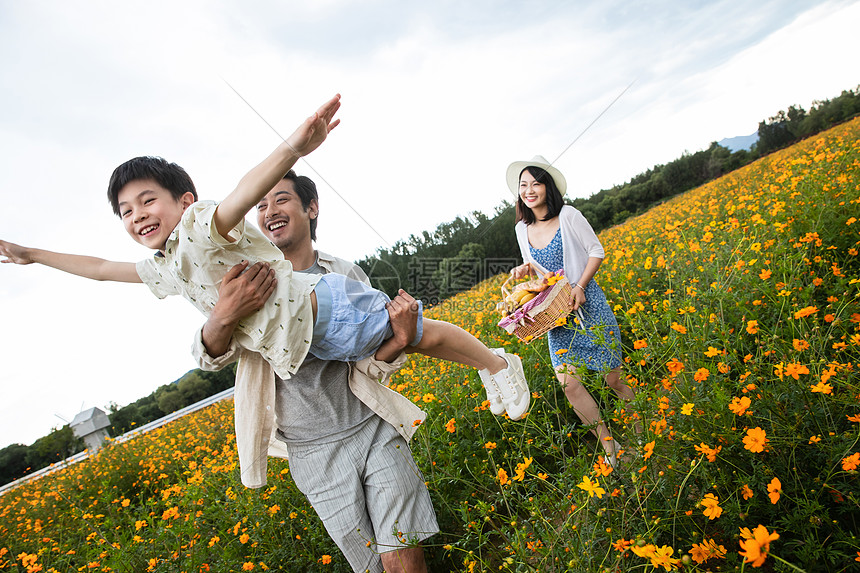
578 297
522 271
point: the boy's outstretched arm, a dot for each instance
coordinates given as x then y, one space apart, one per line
81 265
260 180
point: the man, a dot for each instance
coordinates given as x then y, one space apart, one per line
354 466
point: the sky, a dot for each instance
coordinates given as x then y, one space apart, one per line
438 98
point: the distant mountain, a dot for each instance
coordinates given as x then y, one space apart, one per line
740 142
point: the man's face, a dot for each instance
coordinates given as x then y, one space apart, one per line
281 218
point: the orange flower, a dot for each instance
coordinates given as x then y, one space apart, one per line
711 453
755 440
681 329
708 549
640 344
805 311
774 490
701 374
764 274
795 370
451 426
746 492
248 566
739 405
800 345
711 352
325 559
675 366
503 476
752 326
851 462
712 506
756 544
648 450
822 387
621 545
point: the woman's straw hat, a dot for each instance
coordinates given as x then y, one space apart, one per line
515 168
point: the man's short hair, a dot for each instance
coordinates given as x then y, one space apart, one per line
168 175
307 192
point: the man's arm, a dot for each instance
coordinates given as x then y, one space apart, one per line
84 266
260 180
243 290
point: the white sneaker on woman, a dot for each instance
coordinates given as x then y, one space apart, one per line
512 384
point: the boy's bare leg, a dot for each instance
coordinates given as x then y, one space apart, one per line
450 342
406 560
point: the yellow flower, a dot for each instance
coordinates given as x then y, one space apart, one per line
712 506
756 544
428 397
774 489
591 487
687 408
711 352
755 440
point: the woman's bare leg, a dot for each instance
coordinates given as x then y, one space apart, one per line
586 408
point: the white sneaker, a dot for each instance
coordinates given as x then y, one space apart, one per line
494 397
512 384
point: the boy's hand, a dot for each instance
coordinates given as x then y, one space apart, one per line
15 253
315 129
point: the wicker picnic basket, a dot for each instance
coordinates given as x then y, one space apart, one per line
541 314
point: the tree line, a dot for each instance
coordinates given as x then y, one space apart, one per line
459 254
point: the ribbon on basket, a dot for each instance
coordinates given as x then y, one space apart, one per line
548 309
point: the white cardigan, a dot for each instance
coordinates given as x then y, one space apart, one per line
578 240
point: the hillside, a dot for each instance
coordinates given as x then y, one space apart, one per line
739 307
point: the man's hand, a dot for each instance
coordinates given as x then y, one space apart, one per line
403 314
14 253
244 290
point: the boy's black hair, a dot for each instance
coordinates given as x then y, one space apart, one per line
168 175
307 192
554 200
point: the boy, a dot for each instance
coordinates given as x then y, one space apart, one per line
330 316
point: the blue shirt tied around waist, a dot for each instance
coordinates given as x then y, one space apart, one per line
352 321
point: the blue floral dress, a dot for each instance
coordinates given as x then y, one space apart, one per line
596 343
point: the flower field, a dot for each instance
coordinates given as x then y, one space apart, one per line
739 306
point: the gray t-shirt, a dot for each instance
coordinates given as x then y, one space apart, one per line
316 404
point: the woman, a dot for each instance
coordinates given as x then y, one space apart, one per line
554 236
